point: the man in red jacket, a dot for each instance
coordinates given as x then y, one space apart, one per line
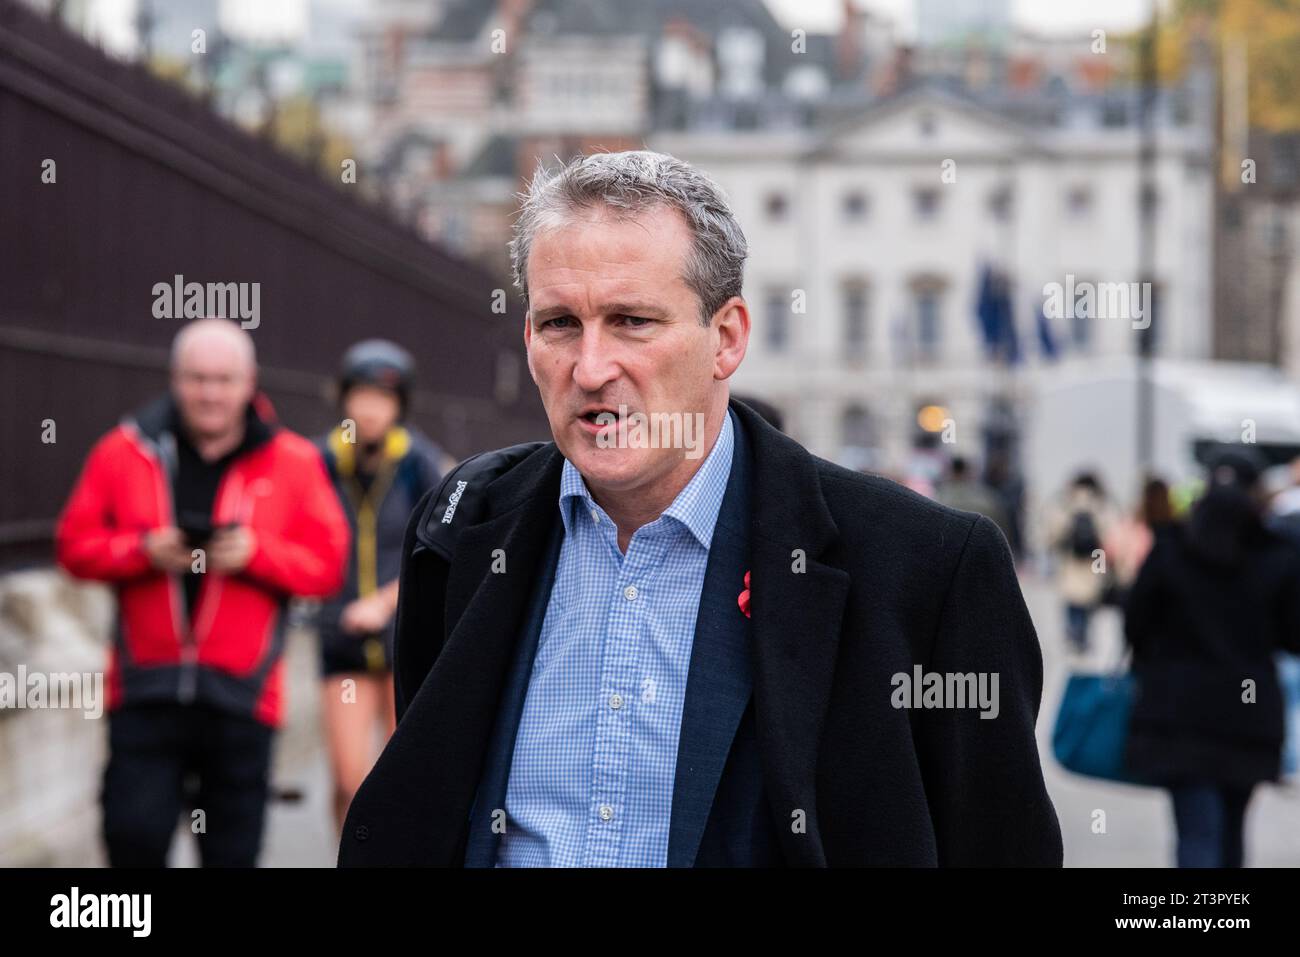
206 517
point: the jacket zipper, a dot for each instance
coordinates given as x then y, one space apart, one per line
187 684
164 459
206 596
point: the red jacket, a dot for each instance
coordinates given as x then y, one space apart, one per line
228 654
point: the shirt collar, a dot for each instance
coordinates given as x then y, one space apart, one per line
696 506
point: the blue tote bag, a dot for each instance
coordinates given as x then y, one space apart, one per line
1288 676
1092 725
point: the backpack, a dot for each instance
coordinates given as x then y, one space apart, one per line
1083 539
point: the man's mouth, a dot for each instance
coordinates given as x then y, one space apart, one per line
597 418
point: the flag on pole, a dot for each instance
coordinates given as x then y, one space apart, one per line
1046 337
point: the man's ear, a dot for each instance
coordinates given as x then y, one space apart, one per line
732 321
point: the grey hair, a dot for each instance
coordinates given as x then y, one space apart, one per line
631 182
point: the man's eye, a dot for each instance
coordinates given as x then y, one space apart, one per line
636 322
557 322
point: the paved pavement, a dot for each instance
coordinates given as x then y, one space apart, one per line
1138 820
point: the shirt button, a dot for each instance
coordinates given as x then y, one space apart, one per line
606 812
595 516
630 593
616 701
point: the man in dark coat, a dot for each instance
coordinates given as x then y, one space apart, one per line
718 650
1214 602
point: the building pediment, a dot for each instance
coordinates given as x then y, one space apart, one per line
925 122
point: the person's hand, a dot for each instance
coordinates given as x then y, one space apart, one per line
230 549
365 616
167 550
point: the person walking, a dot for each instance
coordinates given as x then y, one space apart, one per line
206 517
380 469
1213 602
1076 531
963 490
1131 537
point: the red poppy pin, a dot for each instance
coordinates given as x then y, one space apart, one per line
743 598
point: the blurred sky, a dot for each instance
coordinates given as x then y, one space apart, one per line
111 19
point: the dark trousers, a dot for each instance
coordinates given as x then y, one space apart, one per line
1211 823
168 758
1077 619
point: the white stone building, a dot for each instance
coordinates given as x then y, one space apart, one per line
859 225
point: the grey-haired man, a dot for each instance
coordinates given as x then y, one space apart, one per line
626 648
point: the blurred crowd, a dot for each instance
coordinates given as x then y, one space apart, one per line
1207 578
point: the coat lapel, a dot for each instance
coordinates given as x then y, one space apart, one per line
720 678
797 599
441 741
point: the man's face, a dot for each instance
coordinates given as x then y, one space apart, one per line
612 322
212 383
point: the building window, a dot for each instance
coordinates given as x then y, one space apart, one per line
859 447
854 207
925 203
855 319
778 320
1081 327
1078 202
1000 203
1114 113
777 207
1148 199
1082 315
1149 337
929 334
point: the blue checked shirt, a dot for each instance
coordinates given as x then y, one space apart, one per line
591 780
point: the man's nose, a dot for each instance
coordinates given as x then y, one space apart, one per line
597 363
